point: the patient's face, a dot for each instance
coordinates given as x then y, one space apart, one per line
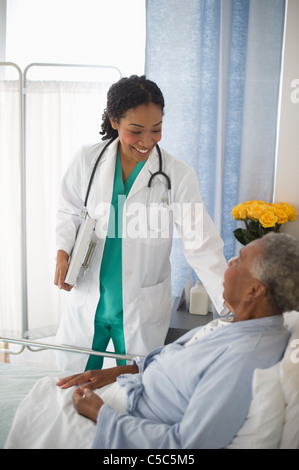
238 278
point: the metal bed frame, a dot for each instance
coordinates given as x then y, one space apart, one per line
22 78
42 346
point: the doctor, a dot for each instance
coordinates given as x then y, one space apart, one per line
125 294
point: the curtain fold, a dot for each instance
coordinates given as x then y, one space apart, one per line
218 64
60 117
234 118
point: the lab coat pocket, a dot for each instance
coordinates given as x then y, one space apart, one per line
79 292
156 302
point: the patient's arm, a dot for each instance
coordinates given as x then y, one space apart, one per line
93 379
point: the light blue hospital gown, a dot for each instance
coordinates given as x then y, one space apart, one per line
193 396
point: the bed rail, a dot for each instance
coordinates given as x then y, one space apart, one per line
25 343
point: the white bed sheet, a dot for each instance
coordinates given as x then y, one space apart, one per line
15 383
47 419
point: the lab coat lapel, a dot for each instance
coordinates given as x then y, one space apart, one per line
150 167
104 177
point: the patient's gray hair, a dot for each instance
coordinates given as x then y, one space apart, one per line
278 268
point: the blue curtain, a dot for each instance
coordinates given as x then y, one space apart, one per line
218 64
234 117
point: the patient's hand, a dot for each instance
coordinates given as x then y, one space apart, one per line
93 379
87 403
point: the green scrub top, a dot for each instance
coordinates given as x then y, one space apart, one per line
110 307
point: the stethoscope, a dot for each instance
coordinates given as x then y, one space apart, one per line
160 172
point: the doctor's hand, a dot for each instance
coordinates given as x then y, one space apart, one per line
61 270
87 403
93 379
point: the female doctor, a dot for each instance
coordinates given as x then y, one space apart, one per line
138 196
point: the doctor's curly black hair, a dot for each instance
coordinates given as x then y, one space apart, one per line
125 94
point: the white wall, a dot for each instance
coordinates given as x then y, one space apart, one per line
286 186
77 32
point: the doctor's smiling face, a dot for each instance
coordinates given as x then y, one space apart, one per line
139 131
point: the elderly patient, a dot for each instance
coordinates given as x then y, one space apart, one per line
196 392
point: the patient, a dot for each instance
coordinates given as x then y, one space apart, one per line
196 392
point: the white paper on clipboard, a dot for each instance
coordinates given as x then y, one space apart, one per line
83 250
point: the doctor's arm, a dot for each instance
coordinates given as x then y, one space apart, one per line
62 265
202 245
68 218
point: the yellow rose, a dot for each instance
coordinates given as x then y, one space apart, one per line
266 213
268 219
281 214
257 209
239 212
289 210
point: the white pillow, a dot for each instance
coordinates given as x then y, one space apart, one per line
273 417
264 423
289 378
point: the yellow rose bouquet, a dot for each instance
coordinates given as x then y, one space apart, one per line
260 218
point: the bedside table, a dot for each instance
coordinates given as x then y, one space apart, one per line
182 321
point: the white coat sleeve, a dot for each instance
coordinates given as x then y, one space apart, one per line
202 245
70 204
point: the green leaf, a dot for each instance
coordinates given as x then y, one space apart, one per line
254 227
243 236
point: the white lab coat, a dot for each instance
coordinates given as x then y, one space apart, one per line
146 270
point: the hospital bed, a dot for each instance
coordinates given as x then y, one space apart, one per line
16 380
272 421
